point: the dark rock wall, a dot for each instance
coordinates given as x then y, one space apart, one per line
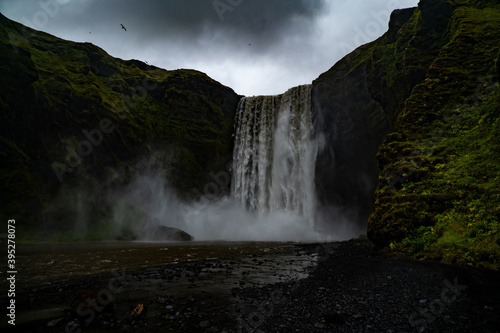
424 99
352 125
73 116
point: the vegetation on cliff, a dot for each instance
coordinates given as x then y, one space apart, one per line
438 195
73 116
424 98
434 77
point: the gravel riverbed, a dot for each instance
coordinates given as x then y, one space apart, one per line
293 287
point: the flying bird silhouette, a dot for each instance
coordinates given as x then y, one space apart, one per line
123 27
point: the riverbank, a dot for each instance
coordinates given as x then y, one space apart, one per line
267 287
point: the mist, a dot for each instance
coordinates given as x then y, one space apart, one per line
134 209
149 197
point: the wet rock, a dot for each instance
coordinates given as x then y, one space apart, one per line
85 301
155 230
54 322
163 233
332 317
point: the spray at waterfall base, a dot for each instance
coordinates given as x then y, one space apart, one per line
271 179
266 193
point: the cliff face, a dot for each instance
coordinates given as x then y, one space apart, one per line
72 114
409 128
354 125
428 89
357 103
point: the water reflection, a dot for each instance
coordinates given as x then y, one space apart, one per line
44 264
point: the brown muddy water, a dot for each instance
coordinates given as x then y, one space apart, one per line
49 274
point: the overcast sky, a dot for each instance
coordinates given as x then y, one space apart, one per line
256 47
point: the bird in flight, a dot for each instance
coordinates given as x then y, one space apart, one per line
123 27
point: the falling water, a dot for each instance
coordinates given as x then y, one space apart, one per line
274 154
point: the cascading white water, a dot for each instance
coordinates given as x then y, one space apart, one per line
275 154
273 194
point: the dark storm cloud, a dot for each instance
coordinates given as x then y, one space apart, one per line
259 21
256 17
253 46
192 15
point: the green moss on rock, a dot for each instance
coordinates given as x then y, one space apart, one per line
439 187
53 90
432 79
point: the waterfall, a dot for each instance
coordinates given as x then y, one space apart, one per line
274 154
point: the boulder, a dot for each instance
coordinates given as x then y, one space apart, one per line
153 229
164 233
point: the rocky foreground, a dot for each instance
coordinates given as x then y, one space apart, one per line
347 290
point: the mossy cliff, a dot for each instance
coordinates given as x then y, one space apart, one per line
73 115
425 97
409 129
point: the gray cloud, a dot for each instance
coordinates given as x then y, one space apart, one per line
159 19
292 41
